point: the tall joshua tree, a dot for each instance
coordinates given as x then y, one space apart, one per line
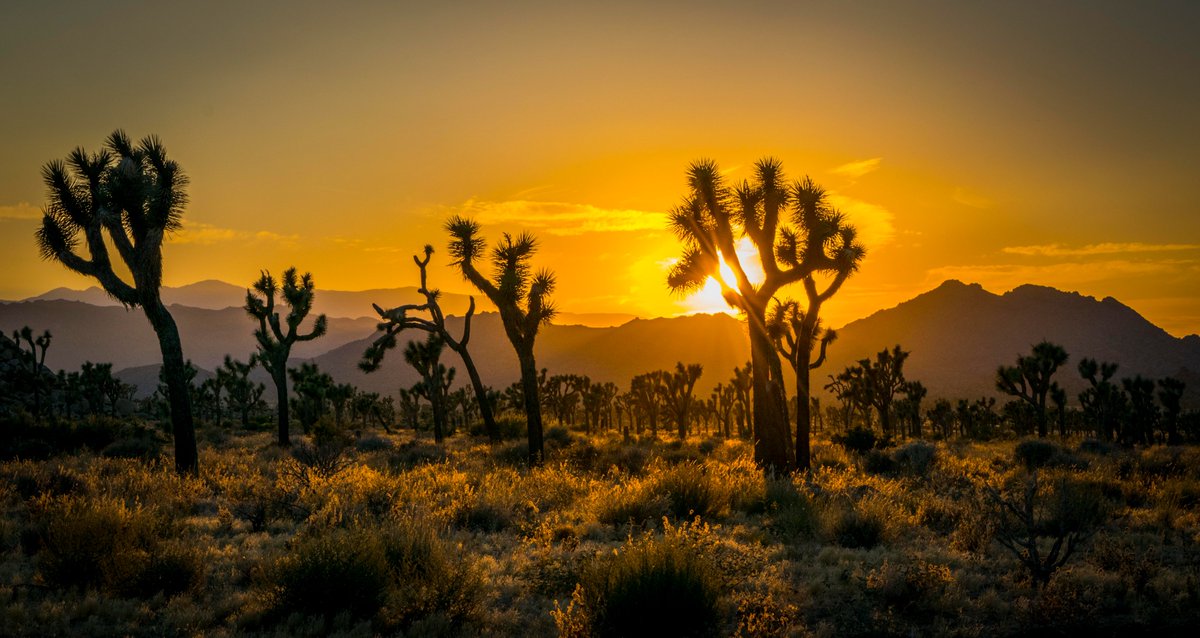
522 297
275 338
795 233
425 358
128 197
795 333
1029 380
397 319
679 386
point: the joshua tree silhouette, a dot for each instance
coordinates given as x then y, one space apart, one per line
678 386
397 319
274 341
425 358
127 196
38 378
1030 380
816 241
244 394
795 333
521 296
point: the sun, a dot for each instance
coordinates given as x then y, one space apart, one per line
709 299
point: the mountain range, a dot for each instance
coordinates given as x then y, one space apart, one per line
957 334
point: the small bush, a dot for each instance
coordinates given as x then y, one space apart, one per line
789 512
332 573
860 526
511 425
915 458
650 588
692 491
857 440
1035 454
559 435
414 453
878 462
373 444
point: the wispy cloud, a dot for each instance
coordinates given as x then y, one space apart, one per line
967 197
874 222
20 210
202 234
1112 248
857 169
559 218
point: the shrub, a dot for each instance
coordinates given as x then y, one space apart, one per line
559 435
335 572
878 462
856 440
915 458
790 513
511 425
649 588
862 525
413 453
692 491
103 543
373 443
430 581
1043 528
631 503
1035 454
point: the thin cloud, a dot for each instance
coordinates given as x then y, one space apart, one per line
874 222
20 210
858 169
202 234
564 219
1112 248
967 197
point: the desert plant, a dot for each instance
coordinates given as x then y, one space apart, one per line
796 332
652 587
1029 380
709 222
1029 519
521 296
128 197
274 340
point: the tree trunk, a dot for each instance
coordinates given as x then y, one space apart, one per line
279 375
772 438
182 427
533 410
803 412
485 408
437 403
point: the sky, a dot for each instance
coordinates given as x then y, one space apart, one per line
996 143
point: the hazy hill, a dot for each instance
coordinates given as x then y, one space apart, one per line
83 332
958 334
216 295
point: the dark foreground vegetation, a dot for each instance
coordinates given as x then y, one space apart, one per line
391 534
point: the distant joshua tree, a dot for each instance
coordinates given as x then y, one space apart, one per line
876 383
125 198
425 358
679 386
398 319
1029 380
1103 403
274 339
244 394
36 363
796 234
795 333
521 296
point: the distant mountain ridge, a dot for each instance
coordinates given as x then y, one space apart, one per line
212 294
957 333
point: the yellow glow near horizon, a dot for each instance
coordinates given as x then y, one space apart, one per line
709 298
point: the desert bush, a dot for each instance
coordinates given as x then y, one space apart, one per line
651 587
913 587
692 491
1035 454
789 512
877 462
100 542
413 453
373 443
559 435
331 573
324 458
857 440
631 503
511 425
915 458
862 524
1043 528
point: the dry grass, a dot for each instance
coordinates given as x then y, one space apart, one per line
466 540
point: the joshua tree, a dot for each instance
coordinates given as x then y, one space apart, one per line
312 389
723 400
36 360
649 393
1143 412
274 340
678 386
795 333
1030 380
812 239
521 296
244 394
1170 394
397 319
1103 403
127 197
876 383
425 357
743 390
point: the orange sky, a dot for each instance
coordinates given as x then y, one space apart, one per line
1001 145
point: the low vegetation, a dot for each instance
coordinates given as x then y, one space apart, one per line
390 534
